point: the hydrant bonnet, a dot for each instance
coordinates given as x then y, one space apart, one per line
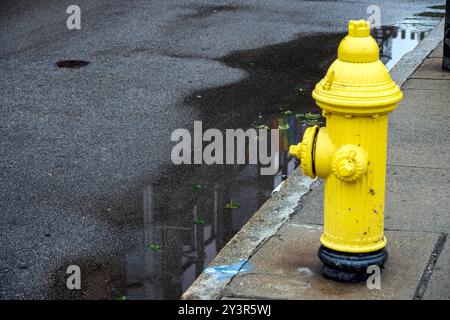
357 83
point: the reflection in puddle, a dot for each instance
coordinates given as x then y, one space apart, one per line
196 219
397 40
183 221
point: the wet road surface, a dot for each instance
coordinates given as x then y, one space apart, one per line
86 175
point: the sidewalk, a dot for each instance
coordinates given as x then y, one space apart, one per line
275 255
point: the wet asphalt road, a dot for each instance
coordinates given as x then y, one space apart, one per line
76 143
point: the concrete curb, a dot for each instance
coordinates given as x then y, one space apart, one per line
277 210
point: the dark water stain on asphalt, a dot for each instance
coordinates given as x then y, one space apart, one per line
72 64
174 227
205 11
431 14
439 7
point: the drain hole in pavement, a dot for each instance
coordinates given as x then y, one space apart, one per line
73 64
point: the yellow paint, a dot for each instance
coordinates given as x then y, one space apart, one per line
304 151
355 95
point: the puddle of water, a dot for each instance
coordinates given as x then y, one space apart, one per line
176 226
397 40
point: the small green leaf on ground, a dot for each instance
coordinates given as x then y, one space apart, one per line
154 247
121 298
109 210
312 122
310 119
312 116
287 113
199 221
308 116
232 205
197 187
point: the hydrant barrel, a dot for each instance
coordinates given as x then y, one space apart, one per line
354 210
356 95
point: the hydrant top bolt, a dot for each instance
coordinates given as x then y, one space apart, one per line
358 45
358 28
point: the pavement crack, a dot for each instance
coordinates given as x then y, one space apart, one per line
426 276
425 79
416 167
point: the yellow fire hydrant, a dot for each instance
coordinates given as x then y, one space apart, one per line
356 95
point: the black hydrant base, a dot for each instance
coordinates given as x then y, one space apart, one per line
349 267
